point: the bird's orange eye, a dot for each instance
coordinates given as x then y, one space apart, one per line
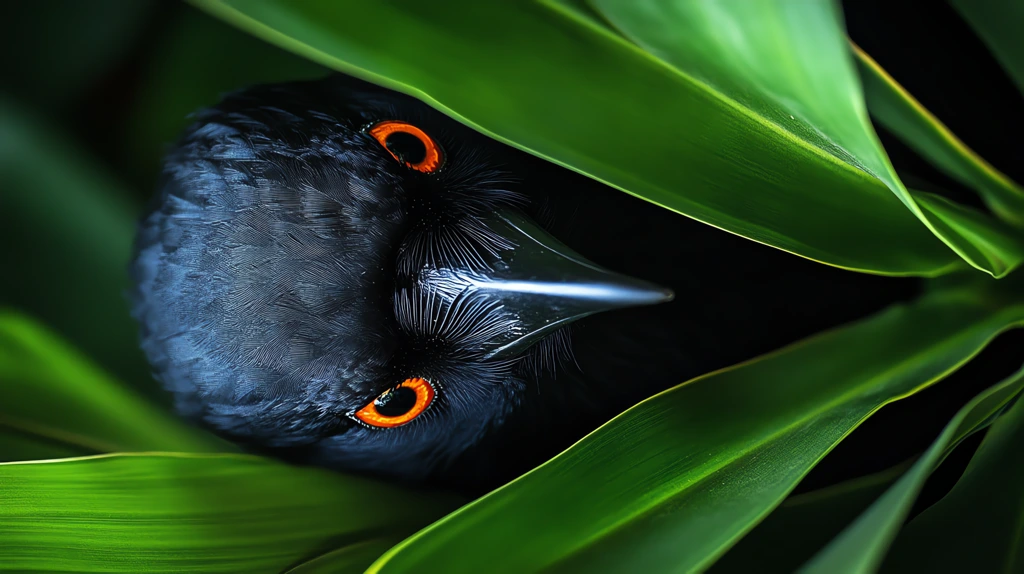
409 145
399 405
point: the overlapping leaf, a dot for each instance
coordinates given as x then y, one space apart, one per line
903 115
804 524
806 85
862 546
977 526
547 78
704 462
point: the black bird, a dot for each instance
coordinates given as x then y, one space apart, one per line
339 275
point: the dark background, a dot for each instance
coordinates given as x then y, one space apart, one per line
116 79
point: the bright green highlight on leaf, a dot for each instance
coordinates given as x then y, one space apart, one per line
548 79
180 513
53 402
977 527
674 468
788 63
903 115
862 545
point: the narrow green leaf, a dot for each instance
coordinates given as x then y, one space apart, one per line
181 513
352 558
546 79
997 244
804 523
671 483
67 229
977 527
862 545
789 63
998 22
904 116
53 403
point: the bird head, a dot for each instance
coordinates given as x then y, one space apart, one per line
344 271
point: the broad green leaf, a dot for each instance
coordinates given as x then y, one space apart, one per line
180 513
67 232
977 526
54 403
788 63
862 545
998 22
546 78
803 524
181 77
673 482
900 113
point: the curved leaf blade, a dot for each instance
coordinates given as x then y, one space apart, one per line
790 64
542 78
900 113
997 244
54 403
862 546
352 558
805 523
977 526
672 468
180 513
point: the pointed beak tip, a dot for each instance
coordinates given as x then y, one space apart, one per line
660 295
667 295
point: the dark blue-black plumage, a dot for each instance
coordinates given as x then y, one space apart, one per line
273 280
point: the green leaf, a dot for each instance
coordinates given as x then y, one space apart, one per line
998 245
998 23
803 524
862 545
180 78
546 78
181 513
69 228
352 558
671 483
977 526
806 84
900 113
53 403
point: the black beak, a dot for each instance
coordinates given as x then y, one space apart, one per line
536 284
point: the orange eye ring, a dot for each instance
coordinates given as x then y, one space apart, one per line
432 157
377 414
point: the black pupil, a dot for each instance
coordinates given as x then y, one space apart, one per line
407 147
396 403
